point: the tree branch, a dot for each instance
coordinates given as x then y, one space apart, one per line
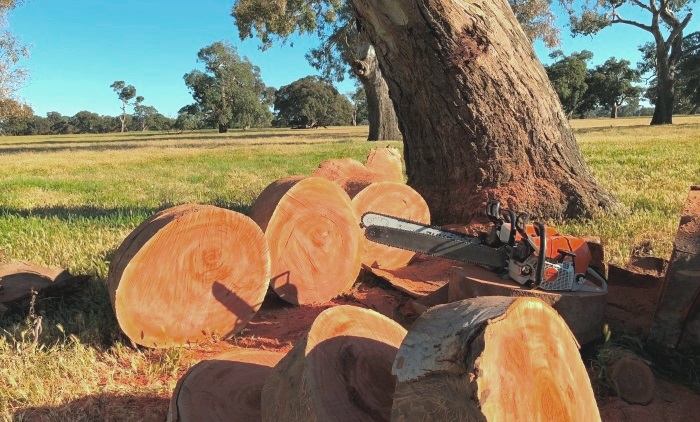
617 19
642 5
677 30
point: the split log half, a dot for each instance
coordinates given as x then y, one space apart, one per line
187 274
397 200
383 165
339 371
582 311
492 359
224 388
314 237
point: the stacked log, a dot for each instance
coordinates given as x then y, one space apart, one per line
492 359
314 237
340 371
188 274
393 199
383 165
225 388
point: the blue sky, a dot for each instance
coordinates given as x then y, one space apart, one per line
79 47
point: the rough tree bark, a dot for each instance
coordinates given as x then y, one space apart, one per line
383 123
479 117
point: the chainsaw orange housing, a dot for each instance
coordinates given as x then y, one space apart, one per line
570 244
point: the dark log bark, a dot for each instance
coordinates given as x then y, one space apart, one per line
383 123
222 128
479 117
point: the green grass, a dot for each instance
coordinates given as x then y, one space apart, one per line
70 200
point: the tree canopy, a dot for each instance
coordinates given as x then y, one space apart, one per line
230 91
12 77
311 101
611 84
125 93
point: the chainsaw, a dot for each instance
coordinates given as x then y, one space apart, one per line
531 254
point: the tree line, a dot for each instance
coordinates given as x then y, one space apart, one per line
228 93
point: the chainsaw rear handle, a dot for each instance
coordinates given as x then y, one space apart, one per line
510 219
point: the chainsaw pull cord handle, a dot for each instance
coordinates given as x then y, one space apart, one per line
541 254
511 219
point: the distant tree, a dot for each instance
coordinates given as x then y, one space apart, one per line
12 77
568 76
666 27
125 93
58 124
311 102
15 117
144 116
87 122
358 99
230 91
611 84
687 74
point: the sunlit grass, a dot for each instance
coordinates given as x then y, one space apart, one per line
70 200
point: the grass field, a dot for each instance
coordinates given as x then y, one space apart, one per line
70 200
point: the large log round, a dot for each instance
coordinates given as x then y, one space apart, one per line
397 200
314 237
339 371
491 359
582 311
383 165
224 388
188 274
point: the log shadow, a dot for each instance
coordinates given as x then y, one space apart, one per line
235 304
100 407
102 213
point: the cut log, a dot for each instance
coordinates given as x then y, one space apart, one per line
397 200
18 280
383 165
314 237
633 294
339 371
386 162
582 311
492 359
224 388
633 380
188 274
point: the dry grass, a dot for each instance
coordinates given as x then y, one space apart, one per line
70 200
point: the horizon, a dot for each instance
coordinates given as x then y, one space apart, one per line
79 49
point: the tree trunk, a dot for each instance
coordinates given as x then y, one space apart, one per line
395 199
314 237
613 111
665 81
340 371
224 388
188 274
383 123
491 359
479 116
223 128
694 110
